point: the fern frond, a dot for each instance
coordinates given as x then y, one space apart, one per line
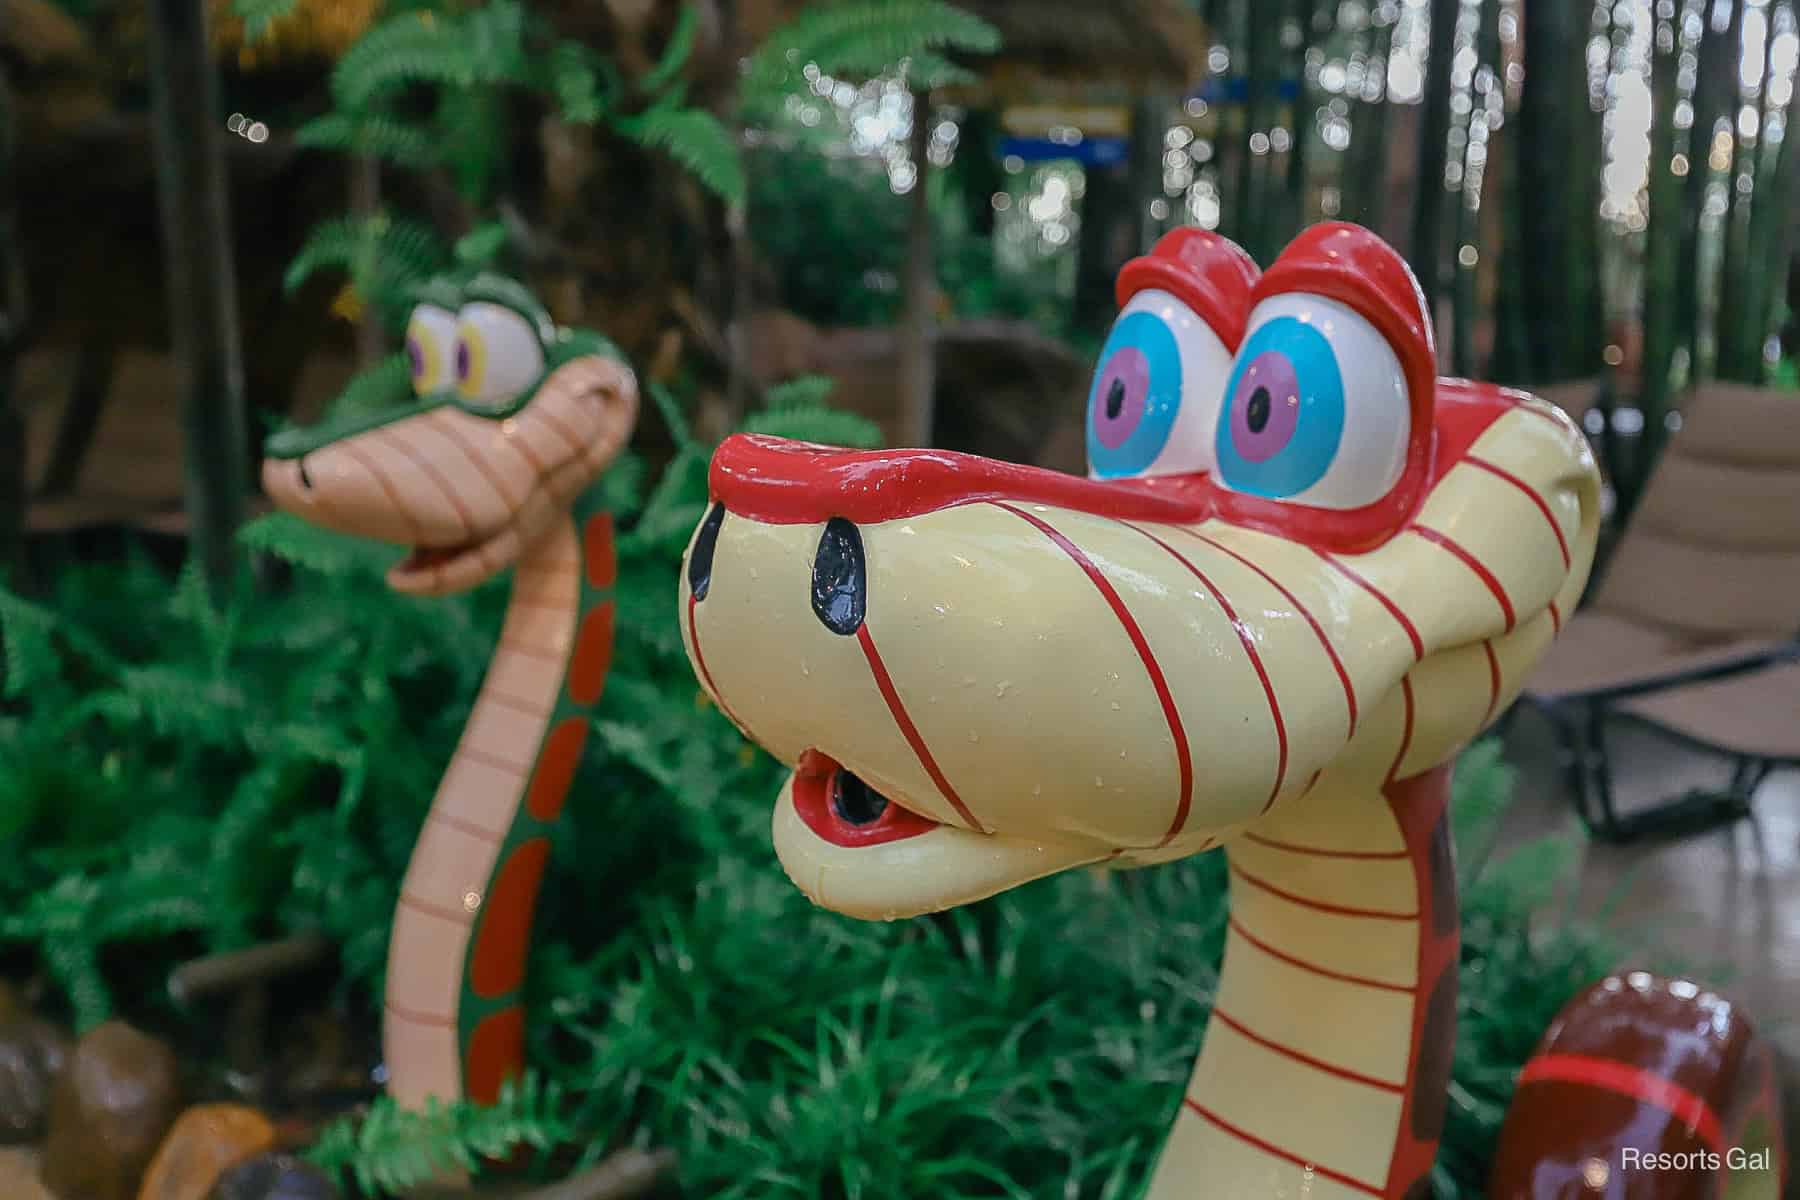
863 38
826 426
675 54
803 391
573 77
927 71
414 47
395 1149
367 246
293 540
26 632
698 141
258 15
377 134
384 386
481 246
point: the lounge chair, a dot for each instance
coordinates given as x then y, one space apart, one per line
1693 626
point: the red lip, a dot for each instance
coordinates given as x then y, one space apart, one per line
816 782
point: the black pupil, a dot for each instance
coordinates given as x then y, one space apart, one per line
1115 399
1257 414
855 801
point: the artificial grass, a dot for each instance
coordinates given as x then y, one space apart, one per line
172 776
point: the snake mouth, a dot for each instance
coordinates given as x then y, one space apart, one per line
842 808
861 852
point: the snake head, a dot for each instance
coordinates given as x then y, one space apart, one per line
1297 550
509 420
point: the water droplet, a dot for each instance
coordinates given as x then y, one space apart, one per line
1115 706
939 609
1099 782
804 669
1000 688
961 561
973 736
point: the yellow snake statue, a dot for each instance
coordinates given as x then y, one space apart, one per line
1302 572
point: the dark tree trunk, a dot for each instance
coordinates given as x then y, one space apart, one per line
919 292
201 293
1149 118
1740 325
1434 134
1584 307
1365 191
1715 87
1771 217
1108 227
12 325
1662 255
1261 80
1540 160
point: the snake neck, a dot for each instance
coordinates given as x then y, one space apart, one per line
1337 1000
454 1024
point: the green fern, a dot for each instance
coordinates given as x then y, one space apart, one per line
698 141
376 134
826 426
415 47
383 387
385 257
572 76
803 391
303 544
395 1149
863 38
675 54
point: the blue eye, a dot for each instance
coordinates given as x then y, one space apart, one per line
1316 408
1284 411
1150 407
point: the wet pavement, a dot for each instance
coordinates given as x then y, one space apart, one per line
1723 904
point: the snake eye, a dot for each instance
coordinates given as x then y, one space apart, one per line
430 342
1154 398
497 355
1316 410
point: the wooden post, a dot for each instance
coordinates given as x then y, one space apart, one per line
202 299
918 375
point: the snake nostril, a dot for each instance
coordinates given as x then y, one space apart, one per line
305 479
840 579
700 559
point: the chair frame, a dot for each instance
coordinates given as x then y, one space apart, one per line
1579 720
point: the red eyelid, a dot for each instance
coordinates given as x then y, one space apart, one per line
1212 275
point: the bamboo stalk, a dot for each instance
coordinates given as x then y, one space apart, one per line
202 295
